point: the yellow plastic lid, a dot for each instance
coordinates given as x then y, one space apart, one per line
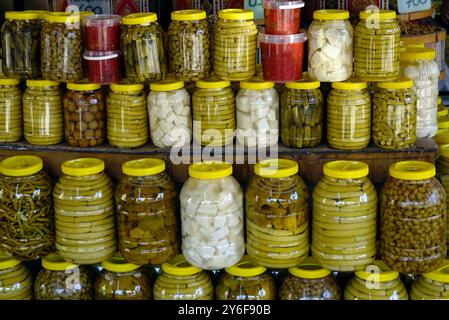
236 14
256 84
276 168
212 83
41 83
55 262
9 82
309 269
412 54
139 18
167 85
117 263
82 166
377 14
210 170
83 86
188 15
412 170
398 83
352 84
439 101
305 84
178 266
441 274
8 262
331 14
143 167
246 268
343 169
442 138
66 17
19 166
126 87
25 15
442 112
444 150
378 271
443 122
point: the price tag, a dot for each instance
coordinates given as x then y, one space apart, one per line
97 6
256 6
408 6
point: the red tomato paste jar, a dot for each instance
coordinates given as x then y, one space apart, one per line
282 56
102 32
104 66
282 16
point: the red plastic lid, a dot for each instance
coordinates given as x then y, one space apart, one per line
104 20
100 55
282 39
282 4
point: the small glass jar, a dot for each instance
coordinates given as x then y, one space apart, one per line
16 281
349 115
442 168
257 105
413 218
442 109
344 217
127 118
11 127
169 112
84 211
282 16
277 215
330 46
394 114
443 125
302 114
213 105
42 113
181 281
235 37
84 115
120 280
62 280
143 50
433 285
212 216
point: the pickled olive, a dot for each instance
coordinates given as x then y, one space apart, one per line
432 286
11 128
16 282
442 167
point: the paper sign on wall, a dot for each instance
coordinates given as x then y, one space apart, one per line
256 6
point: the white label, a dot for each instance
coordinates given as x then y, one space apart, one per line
408 6
256 6
97 6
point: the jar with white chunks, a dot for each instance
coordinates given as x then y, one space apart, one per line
212 216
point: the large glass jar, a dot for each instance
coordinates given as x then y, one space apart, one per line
330 46
257 105
61 280
146 211
212 216
419 65
84 211
433 285
302 114
235 37
349 115
84 114
188 45
181 281
169 111
213 107
442 167
16 282
394 114
42 113
21 43
246 280
413 218
11 128
344 217
277 226
143 51
127 118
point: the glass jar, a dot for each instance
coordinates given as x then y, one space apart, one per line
42 113
257 105
120 280
143 51
309 281
146 210
277 215
394 114
433 285
442 109
330 46
21 43
344 217
443 125
282 16
349 115
127 117
84 211
188 45
84 114
301 114
181 281
235 37
376 46
11 128
213 107
169 111
413 218
26 208
442 168
61 280
16 282
212 216
246 280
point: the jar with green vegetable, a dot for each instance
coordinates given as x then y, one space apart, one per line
432 285
11 127
16 281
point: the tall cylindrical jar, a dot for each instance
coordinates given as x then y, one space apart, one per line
212 216
330 46
84 212
432 285
442 167
11 127
16 281
235 37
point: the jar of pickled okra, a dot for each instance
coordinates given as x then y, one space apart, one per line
181 281
413 218
442 168
302 114
84 211
432 285
344 217
42 113
11 127
16 281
